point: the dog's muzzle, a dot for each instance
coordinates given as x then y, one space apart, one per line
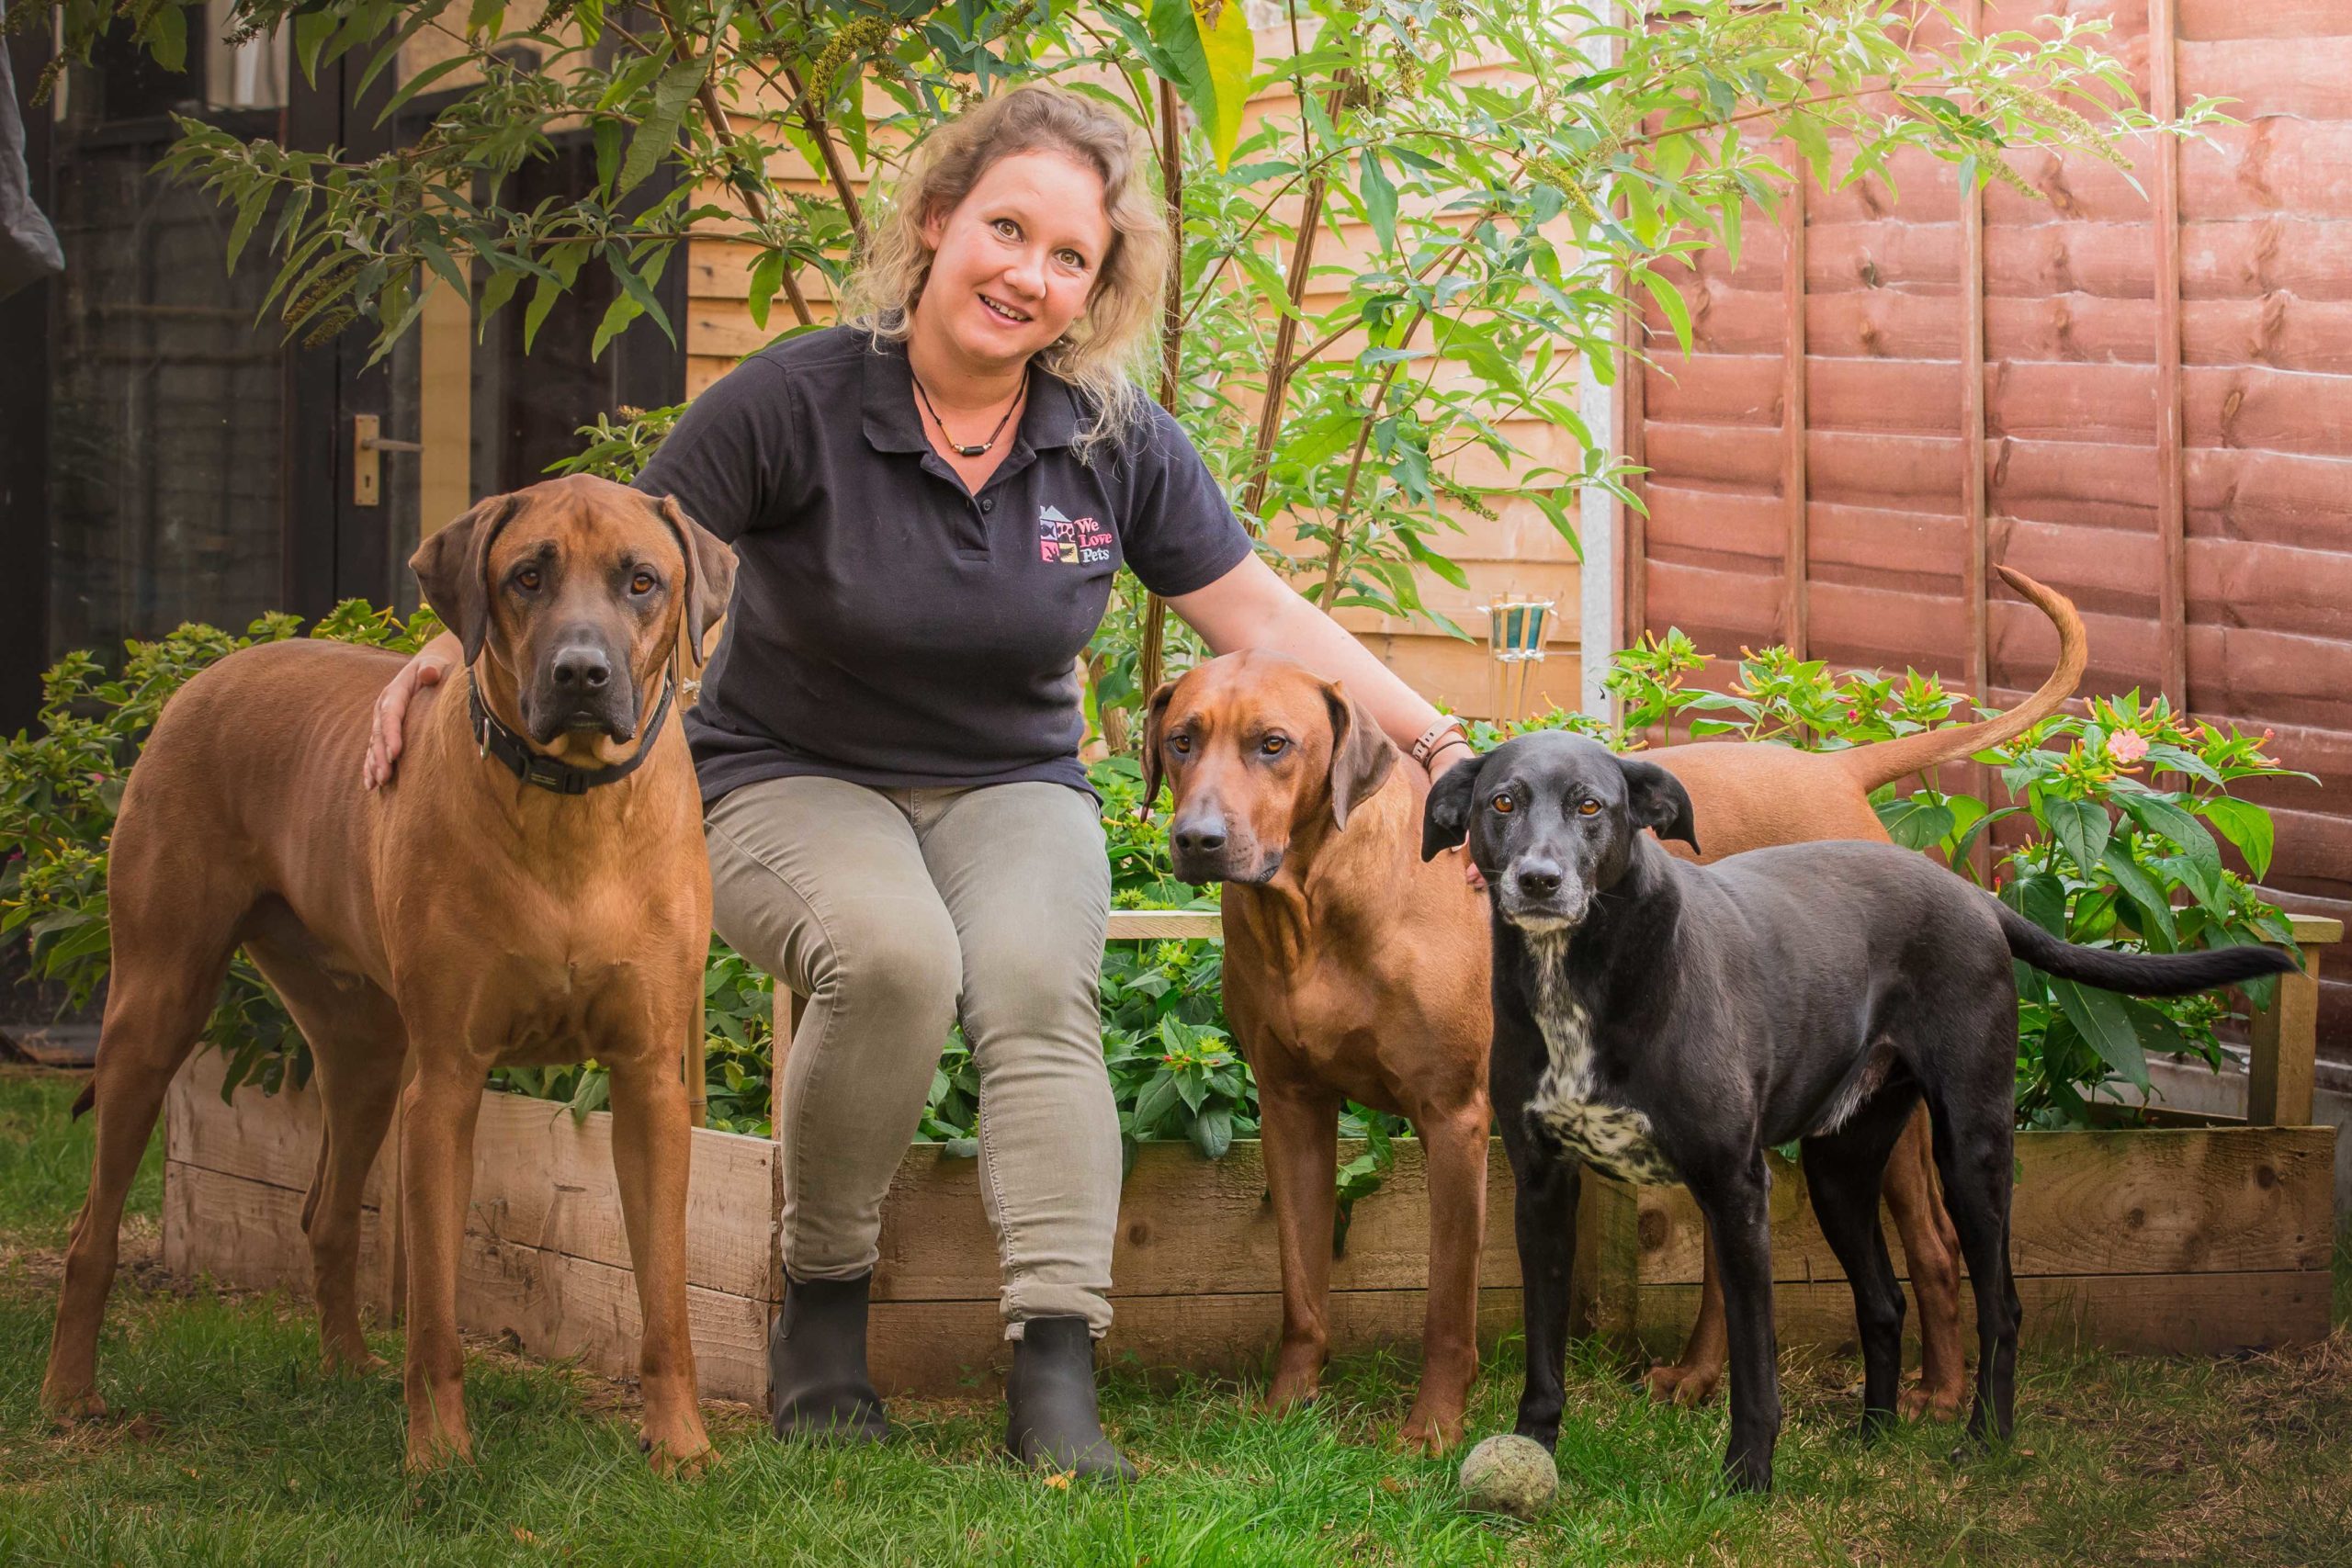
1204 849
1537 896
583 685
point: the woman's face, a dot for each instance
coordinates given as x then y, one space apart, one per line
1016 261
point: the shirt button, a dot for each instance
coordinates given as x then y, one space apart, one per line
988 503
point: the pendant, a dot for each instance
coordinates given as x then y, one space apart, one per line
971 451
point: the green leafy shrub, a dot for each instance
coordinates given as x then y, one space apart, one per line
61 787
2105 857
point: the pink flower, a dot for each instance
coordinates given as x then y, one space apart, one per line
2127 745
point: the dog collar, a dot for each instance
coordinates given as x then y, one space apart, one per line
553 773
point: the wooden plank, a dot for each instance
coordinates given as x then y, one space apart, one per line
1977 569
557 1307
1632 526
1187 1226
1794 490
2142 1201
248 1233
2283 1050
2182 1314
1604 1279
2310 928
540 1177
272 1138
545 1180
958 1347
1972 420
2173 583
1149 925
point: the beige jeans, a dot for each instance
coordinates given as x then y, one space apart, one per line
895 911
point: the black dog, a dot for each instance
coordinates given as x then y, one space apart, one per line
1667 1021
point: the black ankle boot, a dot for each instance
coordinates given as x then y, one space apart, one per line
817 1385
1050 1418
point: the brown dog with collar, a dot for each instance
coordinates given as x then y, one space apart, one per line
1354 970
532 888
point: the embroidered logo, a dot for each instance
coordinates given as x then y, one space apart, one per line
1072 541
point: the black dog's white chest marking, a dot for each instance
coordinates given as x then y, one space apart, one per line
1614 1139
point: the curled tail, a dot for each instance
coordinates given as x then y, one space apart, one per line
1887 761
2137 973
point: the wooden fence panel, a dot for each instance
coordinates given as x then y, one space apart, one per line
2143 400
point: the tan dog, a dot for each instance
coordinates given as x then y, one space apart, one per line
460 911
1354 970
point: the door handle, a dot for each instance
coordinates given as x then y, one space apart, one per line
366 477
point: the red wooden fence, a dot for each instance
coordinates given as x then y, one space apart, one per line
2143 400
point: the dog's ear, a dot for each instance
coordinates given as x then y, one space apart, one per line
1155 720
453 568
1657 800
1360 755
1445 819
711 570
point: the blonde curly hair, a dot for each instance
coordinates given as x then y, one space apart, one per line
1109 349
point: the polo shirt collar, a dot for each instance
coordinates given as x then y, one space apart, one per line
893 423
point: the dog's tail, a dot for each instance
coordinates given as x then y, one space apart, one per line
2137 973
86 1099
1887 761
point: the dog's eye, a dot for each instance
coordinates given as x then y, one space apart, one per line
1181 744
1588 809
1273 746
644 583
1504 803
527 579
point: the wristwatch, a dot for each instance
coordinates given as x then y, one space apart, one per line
1435 736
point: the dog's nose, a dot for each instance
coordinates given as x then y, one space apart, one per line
1200 837
1539 879
581 667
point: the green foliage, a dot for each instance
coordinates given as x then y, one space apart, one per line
1470 235
59 788
2106 858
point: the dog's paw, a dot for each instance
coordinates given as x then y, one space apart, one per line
1686 1388
428 1454
347 1364
1427 1433
71 1409
684 1457
1919 1402
1292 1389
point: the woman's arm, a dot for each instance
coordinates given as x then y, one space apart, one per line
433 661
1250 608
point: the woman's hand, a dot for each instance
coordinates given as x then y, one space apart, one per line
433 661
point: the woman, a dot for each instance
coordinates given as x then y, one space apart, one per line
929 503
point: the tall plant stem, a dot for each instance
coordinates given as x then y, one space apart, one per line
812 117
755 199
1151 664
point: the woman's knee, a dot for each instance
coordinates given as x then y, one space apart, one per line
888 958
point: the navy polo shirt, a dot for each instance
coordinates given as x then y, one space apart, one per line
889 626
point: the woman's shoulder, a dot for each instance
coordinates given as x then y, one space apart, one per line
816 351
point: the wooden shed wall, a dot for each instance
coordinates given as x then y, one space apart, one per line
1825 417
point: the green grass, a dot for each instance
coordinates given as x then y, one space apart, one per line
228 1445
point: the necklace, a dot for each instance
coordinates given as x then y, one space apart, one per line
985 448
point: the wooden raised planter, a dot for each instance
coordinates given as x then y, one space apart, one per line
2193 1238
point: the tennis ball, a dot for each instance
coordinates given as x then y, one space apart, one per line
1510 1475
